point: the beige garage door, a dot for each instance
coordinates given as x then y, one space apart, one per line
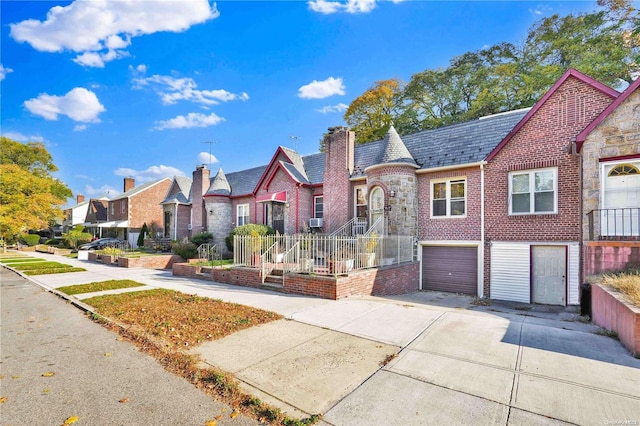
452 269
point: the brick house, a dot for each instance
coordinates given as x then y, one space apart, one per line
532 197
128 211
610 151
495 204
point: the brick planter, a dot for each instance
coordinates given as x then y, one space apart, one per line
164 261
611 311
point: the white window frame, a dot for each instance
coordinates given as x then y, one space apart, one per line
242 219
448 182
315 206
532 173
363 189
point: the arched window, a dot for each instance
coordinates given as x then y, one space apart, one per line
624 169
376 204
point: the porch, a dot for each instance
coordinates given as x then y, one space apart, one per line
613 240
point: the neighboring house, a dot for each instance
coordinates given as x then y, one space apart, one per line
532 228
610 151
96 214
495 204
135 206
75 215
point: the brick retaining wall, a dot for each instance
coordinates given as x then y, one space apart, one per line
610 311
155 262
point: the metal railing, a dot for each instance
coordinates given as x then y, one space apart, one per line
355 226
210 252
622 224
321 254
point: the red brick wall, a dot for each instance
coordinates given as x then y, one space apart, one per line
155 262
461 228
338 192
610 256
544 141
145 206
199 187
255 210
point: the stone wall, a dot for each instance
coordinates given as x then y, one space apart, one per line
220 219
616 136
403 213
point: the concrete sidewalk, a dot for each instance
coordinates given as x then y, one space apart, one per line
455 363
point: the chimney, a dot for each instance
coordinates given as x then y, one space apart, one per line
129 184
339 146
201 183
79 198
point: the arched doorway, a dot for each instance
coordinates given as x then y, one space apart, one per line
376 205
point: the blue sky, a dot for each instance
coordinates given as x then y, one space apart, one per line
137 87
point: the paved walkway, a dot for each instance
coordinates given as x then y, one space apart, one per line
92 370
454 362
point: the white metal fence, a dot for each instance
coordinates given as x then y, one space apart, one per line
321 254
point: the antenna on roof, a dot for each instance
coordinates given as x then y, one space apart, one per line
210 143
296 139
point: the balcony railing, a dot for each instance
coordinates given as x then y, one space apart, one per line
621 224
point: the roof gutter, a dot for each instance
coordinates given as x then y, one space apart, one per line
452 167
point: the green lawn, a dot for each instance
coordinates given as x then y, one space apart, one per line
98 286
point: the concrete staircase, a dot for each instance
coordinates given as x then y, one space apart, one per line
275 279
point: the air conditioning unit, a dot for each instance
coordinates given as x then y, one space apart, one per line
315 222
189 227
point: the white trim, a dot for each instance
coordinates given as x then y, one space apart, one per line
238 213
481 251
448 182
531 173
378 166
315 212
455 166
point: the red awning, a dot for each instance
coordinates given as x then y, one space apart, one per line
279 197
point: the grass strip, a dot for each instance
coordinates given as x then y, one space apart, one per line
162 323
53 271
41 265
19 261
99 286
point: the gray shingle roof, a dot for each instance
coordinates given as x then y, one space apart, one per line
394 150
219 185
182 195
462 143
314 165
137 189
244 182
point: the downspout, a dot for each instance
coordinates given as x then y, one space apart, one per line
481 272
175 224
574 151
297 206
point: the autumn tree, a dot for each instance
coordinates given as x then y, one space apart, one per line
604 44
30 196
370 115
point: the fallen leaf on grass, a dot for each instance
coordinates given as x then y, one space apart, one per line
211 423
15 377
45 391
234 414
107 354
48 374
71 420
3 399
123 400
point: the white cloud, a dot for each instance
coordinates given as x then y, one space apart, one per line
540 10
4 71
322 89
97 60
79 104
17 136
333 108
171 90
351 6
206 158
150 174
95 26
104 190
79 127
193 119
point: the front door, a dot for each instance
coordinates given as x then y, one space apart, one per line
277 210
549 275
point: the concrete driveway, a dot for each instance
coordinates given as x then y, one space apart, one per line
417 359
